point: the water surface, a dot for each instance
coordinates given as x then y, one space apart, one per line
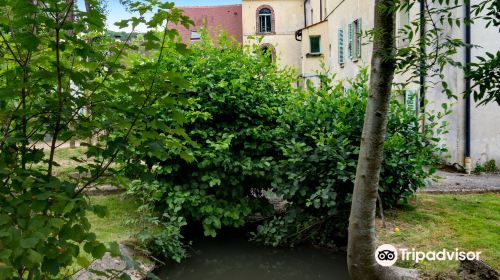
234 258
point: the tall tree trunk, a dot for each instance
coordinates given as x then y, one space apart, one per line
87 6
71 18
361 244
90 140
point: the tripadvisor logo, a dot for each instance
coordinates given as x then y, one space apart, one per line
387 255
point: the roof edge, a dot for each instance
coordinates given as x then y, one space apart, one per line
212 6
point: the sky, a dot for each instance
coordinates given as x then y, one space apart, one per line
117 12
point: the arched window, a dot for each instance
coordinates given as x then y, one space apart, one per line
269 51
265 19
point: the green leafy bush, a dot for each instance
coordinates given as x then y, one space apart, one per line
235 97
319 143
55 68
490 166
251 131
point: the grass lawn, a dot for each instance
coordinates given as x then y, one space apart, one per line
112 228
66 168
64 158
431 222
434 222
116 225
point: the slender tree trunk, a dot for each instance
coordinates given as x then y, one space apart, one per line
87 6
71 18
361 244
88 9
60 100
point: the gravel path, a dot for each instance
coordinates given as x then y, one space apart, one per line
462 183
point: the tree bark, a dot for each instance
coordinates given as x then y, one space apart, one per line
87 6
361 244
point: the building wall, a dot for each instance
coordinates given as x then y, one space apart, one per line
312 64
220 18
485 124
288 18
485 128
343 13
315 11
454 140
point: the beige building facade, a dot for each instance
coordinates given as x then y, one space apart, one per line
325 35
275 23
474 130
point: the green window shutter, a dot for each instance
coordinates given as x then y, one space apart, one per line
341 45
315 46
359 35
351 40
411 100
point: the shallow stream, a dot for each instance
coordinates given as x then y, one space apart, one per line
234 258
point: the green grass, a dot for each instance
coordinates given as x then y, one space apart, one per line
66 170
116 225
68 153
435 222
64 158
430 223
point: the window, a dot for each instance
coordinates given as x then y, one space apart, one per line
341 46
354 44
359 35
404 23
314 42
265 20
269 51
350 44
195 35
411 100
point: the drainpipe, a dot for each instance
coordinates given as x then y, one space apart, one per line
305 14
320 10
422 60
467 160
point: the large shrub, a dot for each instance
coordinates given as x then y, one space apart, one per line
319 144
54 64
235 98
251 133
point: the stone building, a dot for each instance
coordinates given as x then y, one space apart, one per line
324 35
329 37
275 22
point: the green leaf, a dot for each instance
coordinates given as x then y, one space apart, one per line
122 23
125 276
69 206
100 211
51 266
114 249
5 253
83 261
99 251
29 242
28 41
4 219
33 257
